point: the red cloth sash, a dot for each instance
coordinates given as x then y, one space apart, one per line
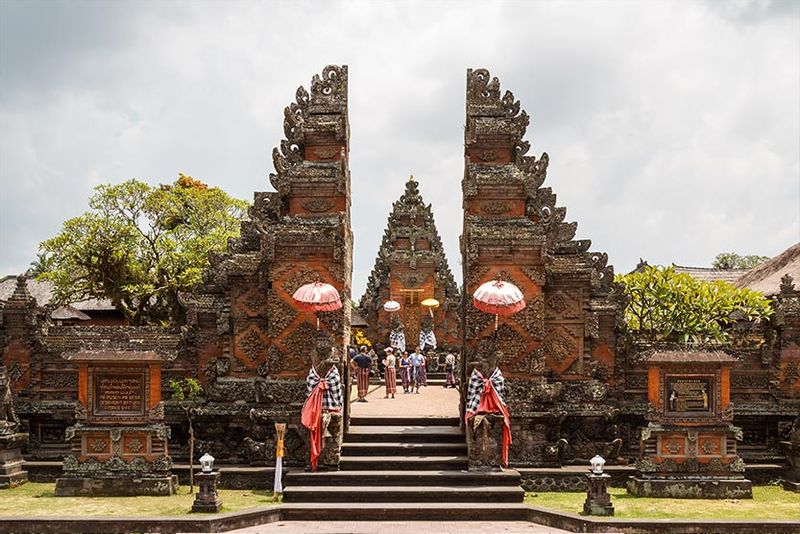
491 403
311 418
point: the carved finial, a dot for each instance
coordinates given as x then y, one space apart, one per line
411 178
787 285
21 294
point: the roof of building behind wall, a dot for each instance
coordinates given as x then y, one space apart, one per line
766 278
709 274
42 291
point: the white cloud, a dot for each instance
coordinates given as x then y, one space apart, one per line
672 127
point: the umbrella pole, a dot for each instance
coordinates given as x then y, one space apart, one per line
317 315
495 321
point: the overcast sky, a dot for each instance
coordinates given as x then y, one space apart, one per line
673 128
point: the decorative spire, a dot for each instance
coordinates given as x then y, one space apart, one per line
787 285
21 296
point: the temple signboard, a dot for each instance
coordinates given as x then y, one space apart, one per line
119 440
689 445
689 394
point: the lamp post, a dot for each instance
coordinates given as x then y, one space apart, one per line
207 498
598 500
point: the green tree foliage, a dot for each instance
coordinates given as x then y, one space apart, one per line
732 260
42 264
670 306
139 246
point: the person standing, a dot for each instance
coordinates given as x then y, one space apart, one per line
450 370
360 365
390 373
417 366
405 371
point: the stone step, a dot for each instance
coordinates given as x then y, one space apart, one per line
397 477
402 420
398 511
403 449
404 433
418 463
391 494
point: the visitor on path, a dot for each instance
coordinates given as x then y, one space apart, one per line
390 373
360 365
417 368
450 370
405 371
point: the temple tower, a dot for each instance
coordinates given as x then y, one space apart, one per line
559 353
410 267
252 344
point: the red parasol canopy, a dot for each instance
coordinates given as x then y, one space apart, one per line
498 297
317 297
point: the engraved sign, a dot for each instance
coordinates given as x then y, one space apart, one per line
689 394
119 393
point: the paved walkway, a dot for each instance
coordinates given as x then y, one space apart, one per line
399 527
432 401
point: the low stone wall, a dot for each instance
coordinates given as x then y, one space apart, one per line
573 478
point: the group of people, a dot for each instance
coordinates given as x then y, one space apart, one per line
412 367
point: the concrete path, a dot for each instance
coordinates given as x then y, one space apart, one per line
399 527
432 401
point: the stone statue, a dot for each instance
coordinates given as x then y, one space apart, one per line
9 422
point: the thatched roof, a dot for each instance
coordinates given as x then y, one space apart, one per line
709 274
766 278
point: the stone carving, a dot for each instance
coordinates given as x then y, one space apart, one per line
9 422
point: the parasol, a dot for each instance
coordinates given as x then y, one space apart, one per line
430 304
391 306
498 297
317 297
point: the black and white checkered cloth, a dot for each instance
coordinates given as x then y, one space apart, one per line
332 399
427 337
397 340
476 384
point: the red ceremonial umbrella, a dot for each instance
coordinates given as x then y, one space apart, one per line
498 297
317 297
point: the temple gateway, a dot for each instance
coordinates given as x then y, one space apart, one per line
575 381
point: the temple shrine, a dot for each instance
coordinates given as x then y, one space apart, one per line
410 268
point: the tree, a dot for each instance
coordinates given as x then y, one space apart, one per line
670 306
731 260
187 392
42 264
139 246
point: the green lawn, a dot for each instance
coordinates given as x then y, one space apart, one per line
34 499
768 502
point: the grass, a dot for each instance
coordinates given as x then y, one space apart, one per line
36 499
768 503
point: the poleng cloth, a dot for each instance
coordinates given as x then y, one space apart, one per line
323 393
397 340
427 337
485 395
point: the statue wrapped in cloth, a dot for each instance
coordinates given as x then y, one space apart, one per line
324 399
485 400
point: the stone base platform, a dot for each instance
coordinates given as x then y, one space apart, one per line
11 462
791 485
116 486
691 488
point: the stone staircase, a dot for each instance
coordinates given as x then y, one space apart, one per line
392 468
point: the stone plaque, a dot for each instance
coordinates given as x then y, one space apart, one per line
689 394
119 393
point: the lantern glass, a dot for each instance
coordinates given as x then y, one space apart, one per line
597 464
206 463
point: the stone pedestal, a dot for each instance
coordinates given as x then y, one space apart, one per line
689 446
119 442
485 442
11 473
598 500
207 499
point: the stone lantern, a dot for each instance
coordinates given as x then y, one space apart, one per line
598 500
206 463
207 498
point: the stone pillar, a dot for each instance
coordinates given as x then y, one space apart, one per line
598 500
791 479
207 498
11 441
